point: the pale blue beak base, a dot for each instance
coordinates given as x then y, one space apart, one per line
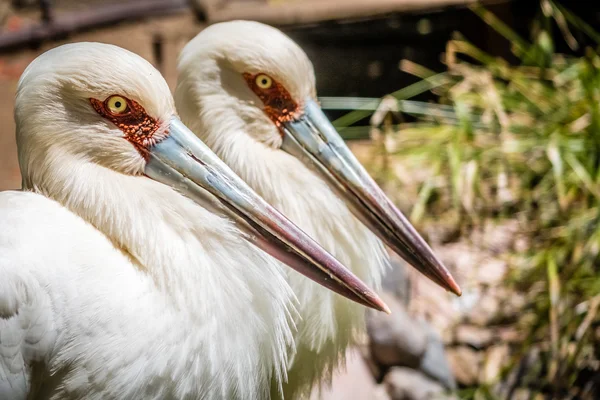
313 139
185 163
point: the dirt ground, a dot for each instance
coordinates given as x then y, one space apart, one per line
136 37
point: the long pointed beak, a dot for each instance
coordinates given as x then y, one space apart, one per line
185 163
313 139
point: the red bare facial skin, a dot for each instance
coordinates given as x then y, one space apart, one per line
139 127
279 105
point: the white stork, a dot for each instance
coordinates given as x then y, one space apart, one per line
116 281
248 91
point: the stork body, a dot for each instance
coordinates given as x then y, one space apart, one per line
115 286
248 91
249 143
326 324
81 318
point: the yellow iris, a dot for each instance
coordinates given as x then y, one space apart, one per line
263 81
117 105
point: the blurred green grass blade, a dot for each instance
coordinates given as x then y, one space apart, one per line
424 195
348 103
411 107
468 49
500 27
552 11
577 22
583 175
454 158
554 291
405 93
356 133
555 158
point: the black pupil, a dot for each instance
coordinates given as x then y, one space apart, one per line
264 81
118 104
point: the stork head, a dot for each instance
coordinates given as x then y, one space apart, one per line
101 104
243 76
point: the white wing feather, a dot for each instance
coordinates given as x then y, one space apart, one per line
26 317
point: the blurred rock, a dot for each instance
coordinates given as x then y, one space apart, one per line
459 257
353 382
447 336
497 237
465 304
522 243
507 334
495 358
473 335
522 394
465 363
440 308
374 367
396 279
443 231
407 384
395 339
485 310
526 372
381 393
434 363
491 271
511 302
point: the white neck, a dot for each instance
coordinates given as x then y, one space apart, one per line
329 322
198 260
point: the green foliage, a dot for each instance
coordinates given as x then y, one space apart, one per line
523 142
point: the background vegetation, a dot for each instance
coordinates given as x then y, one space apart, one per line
520 141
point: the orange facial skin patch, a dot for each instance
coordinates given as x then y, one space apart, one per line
279 105
138 126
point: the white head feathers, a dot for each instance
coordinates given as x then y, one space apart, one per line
54 94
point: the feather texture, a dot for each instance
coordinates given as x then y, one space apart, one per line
215 102
115 286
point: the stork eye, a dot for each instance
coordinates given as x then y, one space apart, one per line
130 117
278 103
264 81
117 105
